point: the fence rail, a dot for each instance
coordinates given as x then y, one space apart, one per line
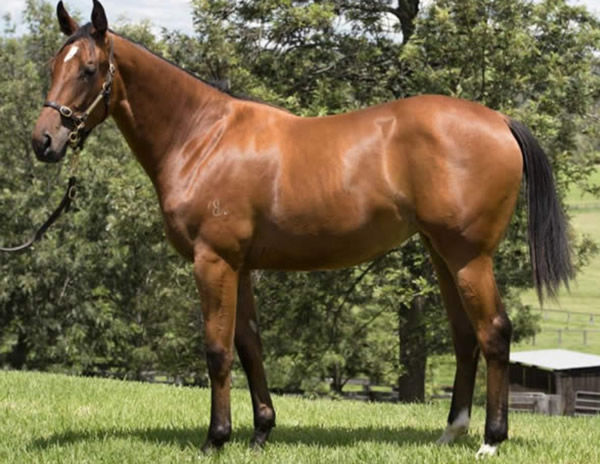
585 205
534 402
587 403
585 334
592 318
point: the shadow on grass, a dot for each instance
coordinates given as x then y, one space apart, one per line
285 434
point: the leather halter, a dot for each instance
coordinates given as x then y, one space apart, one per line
76 139
78 134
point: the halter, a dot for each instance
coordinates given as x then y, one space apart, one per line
76 142
78 134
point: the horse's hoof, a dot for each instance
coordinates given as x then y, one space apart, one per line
451 434
259 439
209 448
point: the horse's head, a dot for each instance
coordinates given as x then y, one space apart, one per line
79 97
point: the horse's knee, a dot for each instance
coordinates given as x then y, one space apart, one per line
219 360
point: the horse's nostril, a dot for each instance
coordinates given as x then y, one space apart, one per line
47 141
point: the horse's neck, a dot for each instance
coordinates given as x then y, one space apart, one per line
160 106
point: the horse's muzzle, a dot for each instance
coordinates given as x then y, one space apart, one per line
47 149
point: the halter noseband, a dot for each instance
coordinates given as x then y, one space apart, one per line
79 120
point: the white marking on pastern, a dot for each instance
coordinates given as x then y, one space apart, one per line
486 450
458 427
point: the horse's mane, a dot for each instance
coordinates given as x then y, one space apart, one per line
219 86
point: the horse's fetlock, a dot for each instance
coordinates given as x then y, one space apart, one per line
219 434
496 433
264 418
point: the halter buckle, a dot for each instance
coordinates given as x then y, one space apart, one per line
65 111
74 137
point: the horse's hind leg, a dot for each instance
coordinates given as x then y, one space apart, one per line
474 278
466 350
249 348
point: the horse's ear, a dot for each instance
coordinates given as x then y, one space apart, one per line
67 25
99 20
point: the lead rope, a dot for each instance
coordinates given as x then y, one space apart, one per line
63 207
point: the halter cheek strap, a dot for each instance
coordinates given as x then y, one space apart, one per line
79 132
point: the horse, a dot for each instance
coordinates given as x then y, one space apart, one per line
243 185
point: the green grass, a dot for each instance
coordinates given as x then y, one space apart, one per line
47 418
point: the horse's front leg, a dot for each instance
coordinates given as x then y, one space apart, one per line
218 284
249 348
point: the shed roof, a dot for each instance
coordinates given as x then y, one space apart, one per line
556 360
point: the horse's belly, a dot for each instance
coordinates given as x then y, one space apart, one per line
277 248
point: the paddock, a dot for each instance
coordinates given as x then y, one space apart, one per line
555 381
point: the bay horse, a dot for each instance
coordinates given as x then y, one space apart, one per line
244 185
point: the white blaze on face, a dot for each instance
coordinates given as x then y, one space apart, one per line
72 52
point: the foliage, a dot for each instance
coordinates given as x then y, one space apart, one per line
93 295
103 291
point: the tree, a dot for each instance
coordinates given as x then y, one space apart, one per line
91 296
103 291
535 62
325 57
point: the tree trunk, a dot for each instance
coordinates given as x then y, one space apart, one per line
413 353
406 12
18 355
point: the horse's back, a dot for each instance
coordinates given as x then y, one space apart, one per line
348 187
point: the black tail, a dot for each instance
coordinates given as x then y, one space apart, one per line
548 241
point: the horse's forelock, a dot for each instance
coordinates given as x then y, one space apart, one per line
84 31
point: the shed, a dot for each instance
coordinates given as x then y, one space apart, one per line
571 379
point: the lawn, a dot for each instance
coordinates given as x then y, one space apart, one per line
47 418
